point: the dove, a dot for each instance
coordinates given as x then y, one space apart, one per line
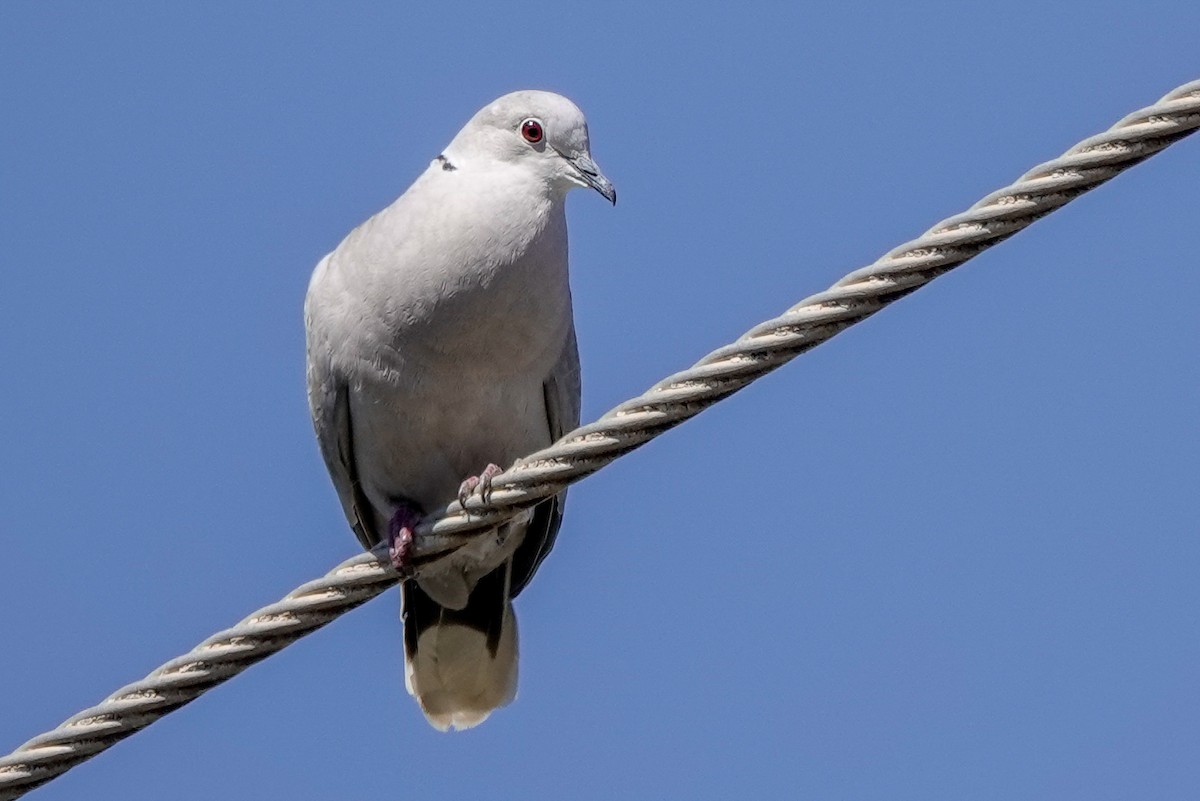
441 343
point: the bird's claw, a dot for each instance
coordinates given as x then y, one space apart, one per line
481 484
400 539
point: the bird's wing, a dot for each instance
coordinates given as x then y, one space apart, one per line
329 402
561 392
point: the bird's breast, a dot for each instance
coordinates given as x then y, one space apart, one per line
497 301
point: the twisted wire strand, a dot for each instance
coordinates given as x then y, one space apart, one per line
588 448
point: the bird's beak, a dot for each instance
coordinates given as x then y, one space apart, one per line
591 175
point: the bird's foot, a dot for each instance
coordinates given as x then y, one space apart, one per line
481 483
400 538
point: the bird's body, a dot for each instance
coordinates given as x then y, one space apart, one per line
447 349
440 339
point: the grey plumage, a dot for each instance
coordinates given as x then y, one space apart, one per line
440 338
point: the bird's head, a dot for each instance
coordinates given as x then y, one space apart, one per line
541 131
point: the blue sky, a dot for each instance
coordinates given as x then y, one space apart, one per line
951 554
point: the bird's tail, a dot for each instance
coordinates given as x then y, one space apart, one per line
460 664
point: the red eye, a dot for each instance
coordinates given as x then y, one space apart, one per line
532 131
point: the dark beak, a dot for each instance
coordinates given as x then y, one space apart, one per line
592 176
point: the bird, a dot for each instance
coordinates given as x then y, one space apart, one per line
440 343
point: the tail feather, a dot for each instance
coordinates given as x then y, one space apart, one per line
461 664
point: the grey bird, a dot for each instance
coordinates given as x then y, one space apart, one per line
441 342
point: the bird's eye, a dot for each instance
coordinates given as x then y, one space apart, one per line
531 129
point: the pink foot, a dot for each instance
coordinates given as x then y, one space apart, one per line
481 483
400 538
